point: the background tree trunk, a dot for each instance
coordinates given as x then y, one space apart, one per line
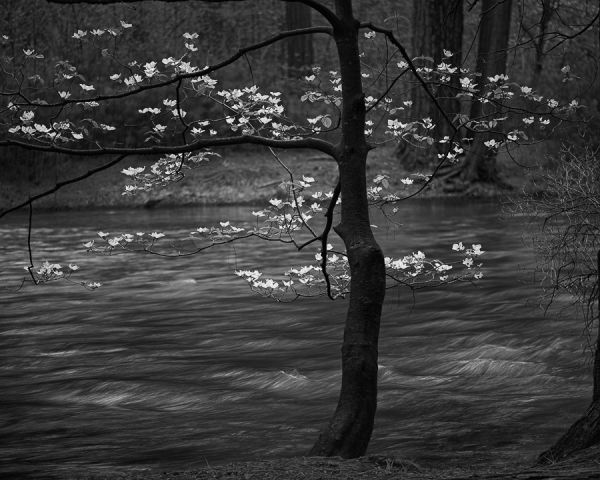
300 48
438 26
479 166
548 9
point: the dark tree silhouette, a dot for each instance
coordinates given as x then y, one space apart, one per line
300 56
479 165
437 38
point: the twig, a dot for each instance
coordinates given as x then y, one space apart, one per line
59 185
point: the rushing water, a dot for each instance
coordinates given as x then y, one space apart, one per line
174 363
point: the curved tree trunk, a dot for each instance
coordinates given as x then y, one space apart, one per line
596 371
349 431
585 432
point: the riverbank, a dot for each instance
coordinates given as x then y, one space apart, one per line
251 176
584 466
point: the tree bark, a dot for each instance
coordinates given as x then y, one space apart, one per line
548 10
438 26
479 166
300 54
349 431
596 371
585 432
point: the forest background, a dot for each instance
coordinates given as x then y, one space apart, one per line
545 35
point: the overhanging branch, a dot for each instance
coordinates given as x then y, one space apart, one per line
178 78
57 187
390 35
309 143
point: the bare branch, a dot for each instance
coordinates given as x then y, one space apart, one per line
29 243
57 187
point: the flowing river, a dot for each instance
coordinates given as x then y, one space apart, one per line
175 363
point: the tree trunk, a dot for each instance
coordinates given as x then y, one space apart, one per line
479 166
299 48
438 26
349 431
585 432
596 371
548 10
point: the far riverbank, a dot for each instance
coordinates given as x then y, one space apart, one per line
238 177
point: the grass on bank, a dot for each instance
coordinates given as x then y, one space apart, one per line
249 176
585 465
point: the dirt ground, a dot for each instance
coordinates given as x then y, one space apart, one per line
584 466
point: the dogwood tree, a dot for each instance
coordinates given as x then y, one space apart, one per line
358 106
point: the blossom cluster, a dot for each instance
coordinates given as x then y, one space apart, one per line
49 272
253 112
168 169
306 281
409 268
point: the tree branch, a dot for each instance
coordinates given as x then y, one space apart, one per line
325 235
57 187
390 35
577 34
310 143
239 54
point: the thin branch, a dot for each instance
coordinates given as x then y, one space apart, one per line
29 244
239 54
390 35
387 91
325 234
58 186
329 217
472 5
570 37
293 192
